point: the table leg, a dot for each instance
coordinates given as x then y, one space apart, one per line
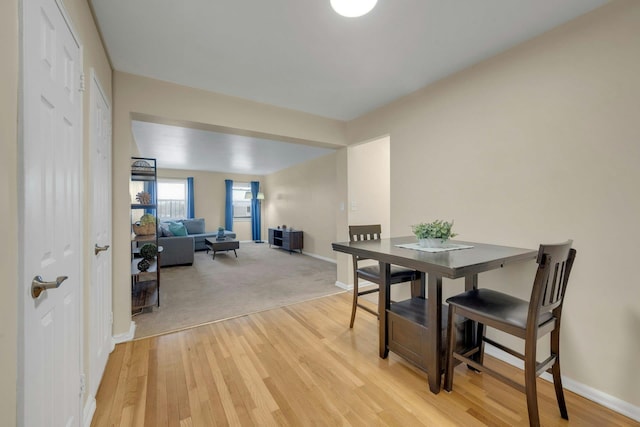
384 302
234 251
418 286
433 362
470 282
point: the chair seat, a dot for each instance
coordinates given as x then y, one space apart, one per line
398 274
496 306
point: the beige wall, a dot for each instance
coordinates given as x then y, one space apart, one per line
369 184
9 209
540 144
154 100
369 178
343 260
303 197
210 193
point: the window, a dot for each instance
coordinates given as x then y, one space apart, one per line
172 198
241 206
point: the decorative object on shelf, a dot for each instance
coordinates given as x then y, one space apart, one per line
143 198
144 265
220 235
433 234
149 251
353 8
142 167
284 227
145 226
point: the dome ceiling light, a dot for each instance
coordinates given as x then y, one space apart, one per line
353 8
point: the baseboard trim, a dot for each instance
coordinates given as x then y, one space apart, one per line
343 285
127 336
361 284
88 411
597 396
323 258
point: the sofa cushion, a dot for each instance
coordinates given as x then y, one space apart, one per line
177 229
194 225
176 250
164 230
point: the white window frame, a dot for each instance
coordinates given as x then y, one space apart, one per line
182 181
241 206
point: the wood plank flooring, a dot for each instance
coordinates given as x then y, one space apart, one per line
301 365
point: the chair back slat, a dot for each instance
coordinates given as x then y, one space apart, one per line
552 276
359 233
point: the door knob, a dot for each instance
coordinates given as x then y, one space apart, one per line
38 285
99 249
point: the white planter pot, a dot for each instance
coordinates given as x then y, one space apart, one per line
432 243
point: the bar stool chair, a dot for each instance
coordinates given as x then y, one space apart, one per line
372 273
526 320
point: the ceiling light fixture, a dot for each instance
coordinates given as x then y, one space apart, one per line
353 8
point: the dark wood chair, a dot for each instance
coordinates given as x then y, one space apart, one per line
372 273
528 320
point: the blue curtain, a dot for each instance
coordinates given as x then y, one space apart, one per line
191 207
255 211
150 187
228 205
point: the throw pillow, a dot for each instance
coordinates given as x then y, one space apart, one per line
164 227
194 225
177 229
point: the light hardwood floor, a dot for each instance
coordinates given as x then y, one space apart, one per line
302 365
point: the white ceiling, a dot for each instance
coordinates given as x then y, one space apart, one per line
176 147
301 55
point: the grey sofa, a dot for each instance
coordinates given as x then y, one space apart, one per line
179 250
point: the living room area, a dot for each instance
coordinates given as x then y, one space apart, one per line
306 196
199 285
303 195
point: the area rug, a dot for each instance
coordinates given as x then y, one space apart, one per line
260 278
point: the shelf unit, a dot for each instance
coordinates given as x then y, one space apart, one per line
286 238
145 285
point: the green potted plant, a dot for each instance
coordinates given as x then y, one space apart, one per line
145 226
433 234
149 251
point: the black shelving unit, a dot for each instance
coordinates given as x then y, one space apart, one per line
145 285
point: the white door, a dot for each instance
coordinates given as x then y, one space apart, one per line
100 291
51 230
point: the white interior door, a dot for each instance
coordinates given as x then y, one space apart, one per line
51 205
101 285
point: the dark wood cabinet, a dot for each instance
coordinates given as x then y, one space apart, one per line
287 239
408 331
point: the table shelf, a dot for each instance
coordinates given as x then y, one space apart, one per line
408 329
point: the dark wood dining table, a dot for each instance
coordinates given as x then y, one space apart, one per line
454 264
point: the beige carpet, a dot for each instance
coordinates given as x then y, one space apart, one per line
261 278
